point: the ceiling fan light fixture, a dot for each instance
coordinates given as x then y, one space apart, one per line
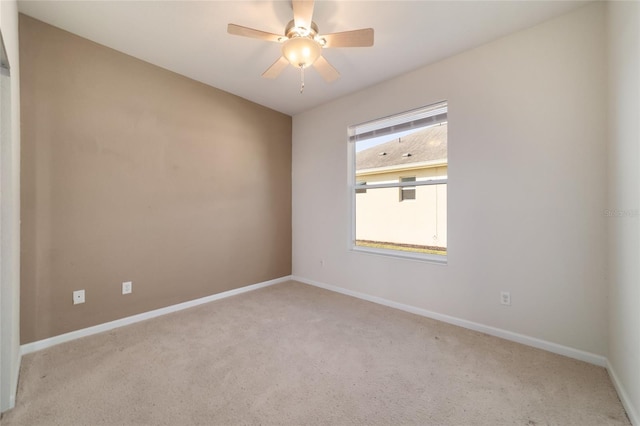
302 44
301 52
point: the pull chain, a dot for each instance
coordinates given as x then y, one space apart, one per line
301 79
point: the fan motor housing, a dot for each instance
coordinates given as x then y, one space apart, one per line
292 31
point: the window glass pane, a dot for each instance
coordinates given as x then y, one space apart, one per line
402 217
419 227
402 152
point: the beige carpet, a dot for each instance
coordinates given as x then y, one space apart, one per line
293 354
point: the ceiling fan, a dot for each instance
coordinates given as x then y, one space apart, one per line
302 44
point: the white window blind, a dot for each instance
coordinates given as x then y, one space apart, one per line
411 120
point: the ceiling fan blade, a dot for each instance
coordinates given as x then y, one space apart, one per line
355 38
250 32
278 66
326 70
302 13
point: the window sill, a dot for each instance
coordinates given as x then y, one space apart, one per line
420 257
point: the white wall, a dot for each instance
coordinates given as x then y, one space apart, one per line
624 201
527 150
10 216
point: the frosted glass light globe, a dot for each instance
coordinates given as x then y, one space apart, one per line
301 51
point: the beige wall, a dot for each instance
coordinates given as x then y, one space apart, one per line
381 216
133 173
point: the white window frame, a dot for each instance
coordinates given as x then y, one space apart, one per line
416 119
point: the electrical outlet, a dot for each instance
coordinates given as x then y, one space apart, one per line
127 287
505 298
78 297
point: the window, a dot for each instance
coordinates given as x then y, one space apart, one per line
399 184
407 192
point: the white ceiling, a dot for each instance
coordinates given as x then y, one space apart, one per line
189 38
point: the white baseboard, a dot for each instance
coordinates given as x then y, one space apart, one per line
493 331
578 354
52 341
507 335
632 412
